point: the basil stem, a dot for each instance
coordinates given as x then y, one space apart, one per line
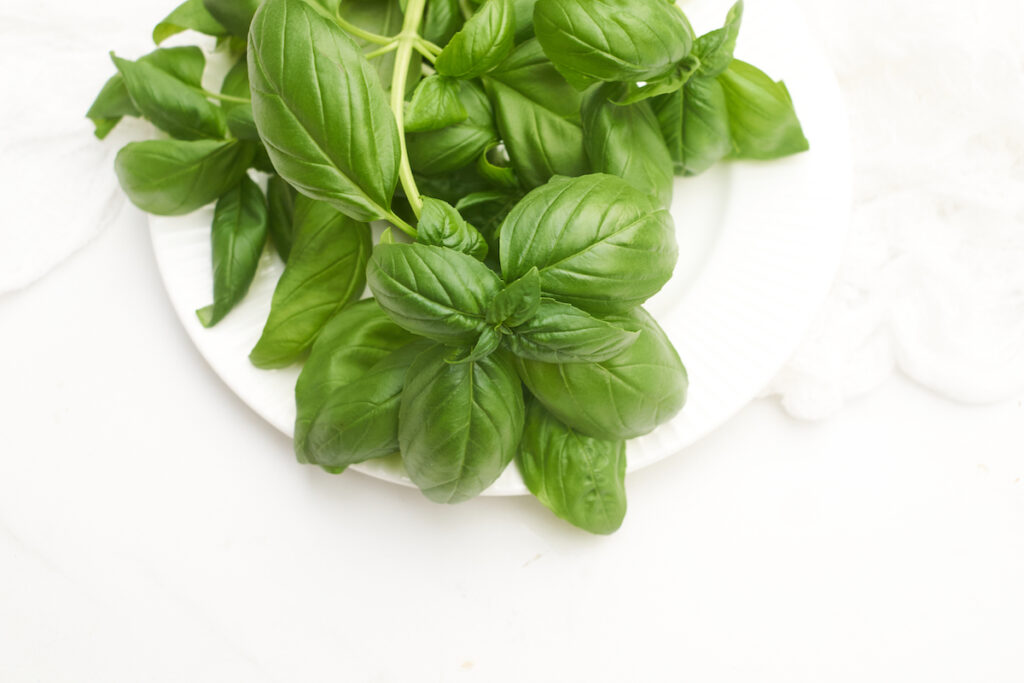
407 41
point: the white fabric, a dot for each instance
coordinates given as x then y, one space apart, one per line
933 281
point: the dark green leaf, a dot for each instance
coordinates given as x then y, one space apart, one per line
762 121
599 243
493 165
524 19
670 82
281 212
435 104
455 146
517 302
482 44
611 40
236 84
326 271
488 343
175 177
234 15
460 423
238 235
560 333
623 397
626 141
441 225
579 478
111 105
321 110
189 15
442 19
350 344
434 292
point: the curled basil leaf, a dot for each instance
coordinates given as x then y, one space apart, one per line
459 423
458 145
434 292
599 243
280 215
325 272
579 478
111 105
482 44
435 104
341 150
175 177
238 235
441 225
560 333
762 121
623 397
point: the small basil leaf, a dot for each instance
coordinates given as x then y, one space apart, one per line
560 333
599 243
579 478
667 83
344 151
239 115
762 121
715 49
441 225
435 104
234 15
623 397
538 117
442 19
499 174
626 141
350 344
175 177
171 104
189 15
459 423
325 272
434 292
111 105
458 145
359 421
280 214
383 17
611 40
517 302
482 197
482 44
238 235
488 343
695 122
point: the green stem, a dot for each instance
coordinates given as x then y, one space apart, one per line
368 36
397 221
225 98
407 40
427 54
390 47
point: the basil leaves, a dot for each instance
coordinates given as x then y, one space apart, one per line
527 149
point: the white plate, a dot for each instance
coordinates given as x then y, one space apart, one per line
759 247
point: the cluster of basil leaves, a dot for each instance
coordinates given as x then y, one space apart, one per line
527 148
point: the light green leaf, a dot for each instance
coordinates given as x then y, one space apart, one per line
441 225
435 104
762 121
453 147
189 15
560 333
482 44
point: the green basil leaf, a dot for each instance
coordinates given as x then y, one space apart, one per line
626 141
434 292
189 15
523 13
442 19
326 271
111 105
441 225
599 243
762 121
172 105
667 83
341 150
715 49
560 333
698 120
459 423
493 165
538 117
280 215
238 235
482 197
175 177
623 397
482 44
359 421
456 146
579 478
234 15
435 104
239 115
488 343
383 17
350 344
517 302
611 40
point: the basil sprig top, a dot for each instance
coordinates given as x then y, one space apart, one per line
527 149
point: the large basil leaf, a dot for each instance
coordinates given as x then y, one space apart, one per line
234 15
350 344
459 423
442 226
442 19
238 235
325 272
560 333
612 40
189 15
383 17
599 243
482 44
623 397
175 177
695 123
435 104
579 478
170 103
456 146
762 121
538 117
111 105
434 292
626 140
280 215
321 111
360 419
239 114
